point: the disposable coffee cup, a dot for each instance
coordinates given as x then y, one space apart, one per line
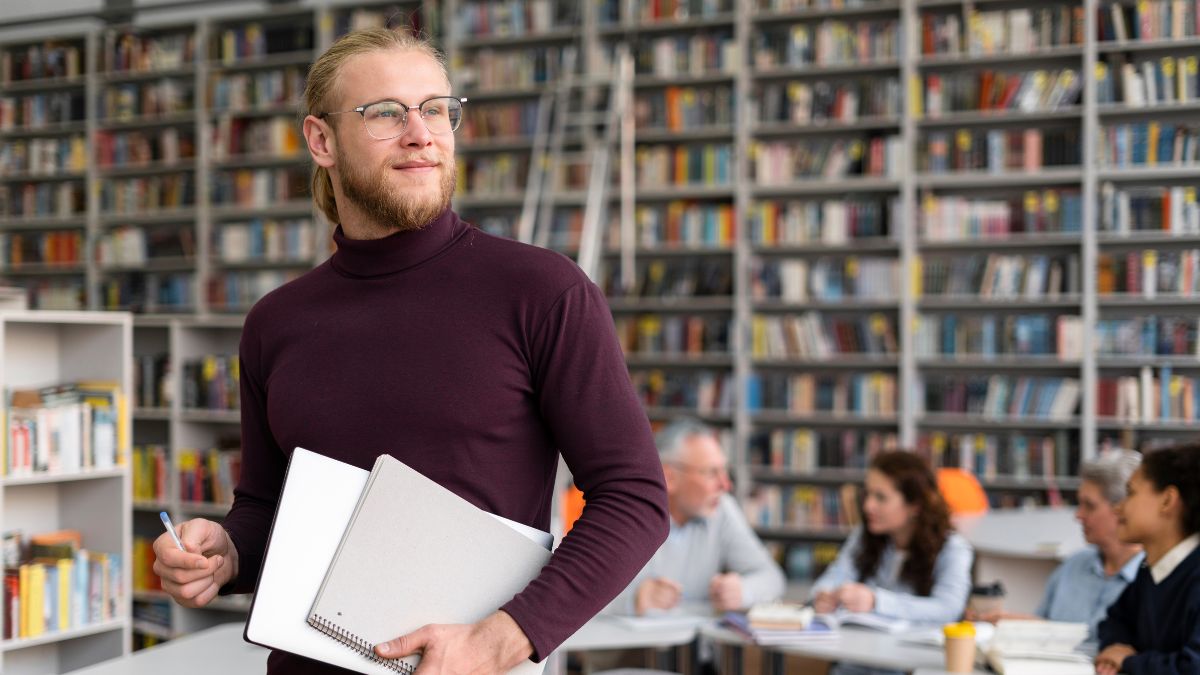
960 647
987 598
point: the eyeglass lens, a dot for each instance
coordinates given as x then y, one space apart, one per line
388 119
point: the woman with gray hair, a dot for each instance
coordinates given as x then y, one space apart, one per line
1085 584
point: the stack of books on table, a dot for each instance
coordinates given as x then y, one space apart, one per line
779 624
1039 648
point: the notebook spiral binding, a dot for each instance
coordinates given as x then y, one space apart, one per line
358 644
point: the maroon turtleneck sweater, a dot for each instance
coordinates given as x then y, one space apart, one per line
476 360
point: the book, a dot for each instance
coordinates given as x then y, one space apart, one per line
411 556
305 534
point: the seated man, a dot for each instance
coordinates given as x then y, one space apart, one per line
712 560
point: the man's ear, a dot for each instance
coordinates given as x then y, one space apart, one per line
322 143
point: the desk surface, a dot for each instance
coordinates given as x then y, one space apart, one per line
606 632
854 645
1043 533
220 649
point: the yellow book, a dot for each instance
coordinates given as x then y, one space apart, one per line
37 600
1152 144
23 600
65 568
758 337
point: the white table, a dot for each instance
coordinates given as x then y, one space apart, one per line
220 649
609 633
1021 547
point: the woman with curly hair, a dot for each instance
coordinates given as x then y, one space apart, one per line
1154 627
905 561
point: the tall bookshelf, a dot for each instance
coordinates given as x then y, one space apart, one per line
49 348
906 221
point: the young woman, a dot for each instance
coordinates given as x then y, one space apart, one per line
905 561
1154 627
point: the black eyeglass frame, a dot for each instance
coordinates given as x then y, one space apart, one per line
361 110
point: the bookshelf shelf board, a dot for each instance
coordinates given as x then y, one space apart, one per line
508 93
294 207
1125 110
1030 482
485 145
151 413
986 179
783 418
54 129
211 416
822 475
1147 238
999 362
53 478
843 305
850 247
1152 361
652 26
185 164
296 58
484 201
1141 301
562 34
679 360
803 533
966 421
1178 426
974 302
286 109
163 264
292 264
165 312
864 361
824 186
1108 46
789 129
26 177
43 223
204 508
720 303
142 121
44 84
50 638
1150 173
824 71
43 270
1000 117
682 80
674 251
711 417
125 76
865 9
683 192
1009 241
155 217
711 133
972 60
152 505
262 161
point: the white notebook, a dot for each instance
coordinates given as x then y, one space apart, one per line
415 553
305 535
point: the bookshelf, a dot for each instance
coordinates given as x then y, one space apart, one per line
47 348
845 240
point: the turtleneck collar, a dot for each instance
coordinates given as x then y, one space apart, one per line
396 252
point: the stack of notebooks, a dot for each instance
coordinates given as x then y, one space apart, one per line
1040 648
788 623
377 556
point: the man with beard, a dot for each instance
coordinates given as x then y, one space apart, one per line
474 359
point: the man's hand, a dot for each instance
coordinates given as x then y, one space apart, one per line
1109 661
194 576
725 592
494 645
657 593
856 597
825 602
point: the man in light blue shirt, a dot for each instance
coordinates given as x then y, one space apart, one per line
711 560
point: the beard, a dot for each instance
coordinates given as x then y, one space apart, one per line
393 209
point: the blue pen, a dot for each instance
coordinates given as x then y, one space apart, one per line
171 528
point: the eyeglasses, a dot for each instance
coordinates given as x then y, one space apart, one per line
385 120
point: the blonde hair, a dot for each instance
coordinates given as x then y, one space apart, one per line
320 90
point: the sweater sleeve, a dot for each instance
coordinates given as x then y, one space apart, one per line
593 416
263 469
1118 626
947 599
743 553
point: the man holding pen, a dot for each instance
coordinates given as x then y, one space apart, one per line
473 359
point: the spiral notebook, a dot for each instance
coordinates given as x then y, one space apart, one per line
305 534
415 553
